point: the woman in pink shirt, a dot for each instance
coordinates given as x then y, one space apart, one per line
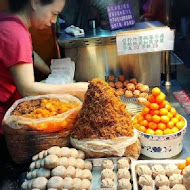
16 63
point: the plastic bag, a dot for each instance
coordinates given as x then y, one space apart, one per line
18 122
104 148
24 140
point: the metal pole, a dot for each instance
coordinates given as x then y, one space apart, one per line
167 5
167 54
167 60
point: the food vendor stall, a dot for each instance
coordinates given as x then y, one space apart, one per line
103 127
15 173
95 55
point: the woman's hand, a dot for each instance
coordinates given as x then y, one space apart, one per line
81 88
23 77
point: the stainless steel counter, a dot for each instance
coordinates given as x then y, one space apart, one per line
95 56
98 36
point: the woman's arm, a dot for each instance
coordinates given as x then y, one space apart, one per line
40 64
23 76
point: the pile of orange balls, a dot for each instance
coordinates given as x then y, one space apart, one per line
158 117
182 165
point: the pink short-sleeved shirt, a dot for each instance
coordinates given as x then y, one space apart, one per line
15 47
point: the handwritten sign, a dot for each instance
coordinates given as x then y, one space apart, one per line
141 41
120 16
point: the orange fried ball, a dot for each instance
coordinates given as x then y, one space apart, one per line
143 95
128 94
141 100
145 88
120 91
139 86
111 78
111 84
136 93
118 84
125 83
134 81
121 78
131 86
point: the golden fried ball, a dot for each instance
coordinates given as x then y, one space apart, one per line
118 84
143 95
111 84
120 91
145 88
141 100
131 86
139 86
111 78
128 94
121 78
125 83
136 93
134 81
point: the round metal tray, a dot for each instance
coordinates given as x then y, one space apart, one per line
132 105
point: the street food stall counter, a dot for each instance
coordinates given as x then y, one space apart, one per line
95 55
12 175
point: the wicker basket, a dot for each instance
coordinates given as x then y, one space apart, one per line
23 143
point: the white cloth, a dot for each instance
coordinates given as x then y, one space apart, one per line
62 71
75 31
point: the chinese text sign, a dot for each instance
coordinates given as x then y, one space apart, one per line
120 16
145 41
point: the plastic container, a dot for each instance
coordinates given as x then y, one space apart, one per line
149 163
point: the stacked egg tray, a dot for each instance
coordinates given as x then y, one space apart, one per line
111 173
154 174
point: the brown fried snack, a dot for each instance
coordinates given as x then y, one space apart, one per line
121 78
103 114
131 87
118 84
128 94
136 93
111 84
134 81
120 91
111 78
125 83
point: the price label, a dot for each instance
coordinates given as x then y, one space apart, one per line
142 41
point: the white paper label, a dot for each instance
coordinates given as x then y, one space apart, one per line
132 42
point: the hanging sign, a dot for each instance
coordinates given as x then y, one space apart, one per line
120 16
146 40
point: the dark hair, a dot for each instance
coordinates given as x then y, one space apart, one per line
18 5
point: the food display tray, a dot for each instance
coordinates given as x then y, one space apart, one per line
96 172
149 163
